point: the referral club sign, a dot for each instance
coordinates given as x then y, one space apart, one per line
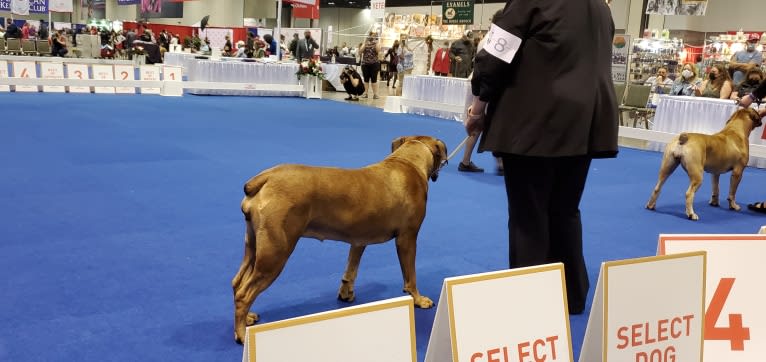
457 12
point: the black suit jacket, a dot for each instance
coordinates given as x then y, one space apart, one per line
305 48
556 97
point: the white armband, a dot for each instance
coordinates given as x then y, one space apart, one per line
502 44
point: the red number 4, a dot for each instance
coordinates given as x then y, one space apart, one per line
735 332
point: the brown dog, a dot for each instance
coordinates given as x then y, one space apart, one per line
727 150
363 206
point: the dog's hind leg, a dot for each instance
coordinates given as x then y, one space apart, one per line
406 244
248 259
346 291
736 177
695 180
669 164
273 248
715 178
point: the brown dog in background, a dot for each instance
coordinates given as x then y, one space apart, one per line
364 206
727 150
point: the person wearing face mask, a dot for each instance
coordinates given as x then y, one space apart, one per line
305 47
718 84
684 85
441 61
744 60
753 79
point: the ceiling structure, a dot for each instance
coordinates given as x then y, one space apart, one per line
363 4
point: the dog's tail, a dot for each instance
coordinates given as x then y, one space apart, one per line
682 138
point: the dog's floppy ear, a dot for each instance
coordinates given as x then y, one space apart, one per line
397 143
440 158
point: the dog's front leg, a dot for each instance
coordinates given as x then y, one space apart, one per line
714 178
406 244
736 177
346 291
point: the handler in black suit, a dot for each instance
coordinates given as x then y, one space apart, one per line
305 47
543 96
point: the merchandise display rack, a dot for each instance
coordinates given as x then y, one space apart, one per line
649 54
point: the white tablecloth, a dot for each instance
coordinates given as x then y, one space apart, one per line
243 72
676 114
453 91
180 59
332 74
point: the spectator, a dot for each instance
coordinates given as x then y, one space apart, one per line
718 84
306 47
11 30
371 65
406 63
271 44
392 55
441 63
686 81
744 60
660 79
753 79
461 55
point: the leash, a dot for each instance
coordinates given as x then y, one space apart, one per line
459 146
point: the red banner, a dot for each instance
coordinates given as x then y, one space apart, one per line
302 10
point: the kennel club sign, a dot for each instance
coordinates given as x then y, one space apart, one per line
24 7
457 12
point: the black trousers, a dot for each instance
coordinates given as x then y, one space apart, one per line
544 223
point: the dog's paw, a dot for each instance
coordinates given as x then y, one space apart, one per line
734 206
424 302
346 292
693 217
714 203
251 318
650 206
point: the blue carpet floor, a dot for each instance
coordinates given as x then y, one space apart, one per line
120 227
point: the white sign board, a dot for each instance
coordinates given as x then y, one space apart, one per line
150 72
25 70
620 48
52 70
648 310
377 8
172 73
77 71
735 321
376 332
4 75
125 72
490 317
103 72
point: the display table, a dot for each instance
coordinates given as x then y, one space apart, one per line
441 97
677 114
245 72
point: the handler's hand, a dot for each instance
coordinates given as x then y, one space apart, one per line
745 101
474 123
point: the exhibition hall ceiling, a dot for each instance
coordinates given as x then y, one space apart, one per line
362 4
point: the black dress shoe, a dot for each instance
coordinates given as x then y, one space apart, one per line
470 167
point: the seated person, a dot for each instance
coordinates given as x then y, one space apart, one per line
241 50
352 83
661 79
753 79
718 84
685 83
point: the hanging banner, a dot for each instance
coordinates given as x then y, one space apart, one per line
377 8
24 7
457 12
93 9
620 47
304 9
151 6
676 7
62 6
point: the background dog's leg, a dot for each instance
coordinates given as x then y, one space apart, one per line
714 197
695 180
346 291
406 244
669 164
272 251
736 177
